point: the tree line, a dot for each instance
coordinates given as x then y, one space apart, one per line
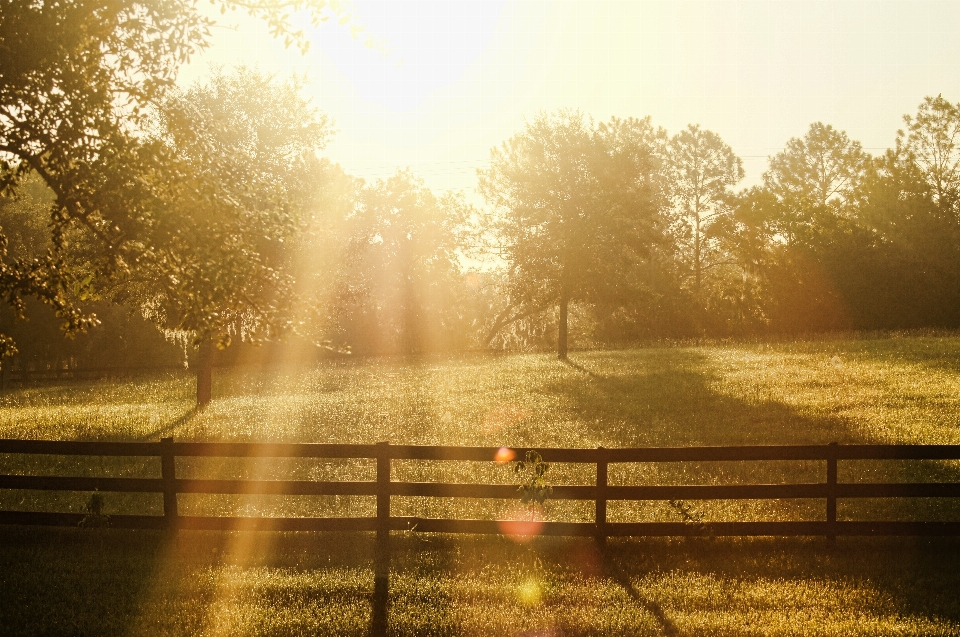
594 233
649 234
209 213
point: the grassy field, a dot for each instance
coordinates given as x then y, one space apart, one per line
893 390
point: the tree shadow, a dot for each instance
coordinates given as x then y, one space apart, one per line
171 426
678 400
656 400
614 572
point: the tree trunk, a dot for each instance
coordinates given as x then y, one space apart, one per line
697 261
205 373
562 333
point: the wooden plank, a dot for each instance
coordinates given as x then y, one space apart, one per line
274 487
468 490
653 529
704 454
832 493
490 527
62 483
383 495
79 448
898 452
717 492
901 490
45 518
273 450
486 454
487 527
429 452
214 523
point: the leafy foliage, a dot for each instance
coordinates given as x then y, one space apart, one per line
213 253
575 207
534 488
81 84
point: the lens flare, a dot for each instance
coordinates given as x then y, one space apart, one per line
504 455
522 524
530 592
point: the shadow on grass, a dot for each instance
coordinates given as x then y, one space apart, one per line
658 400
673 401
613 571
170 427
66 582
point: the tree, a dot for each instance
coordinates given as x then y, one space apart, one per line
932 143
704 169
909 203
216 237
79 84
400 280
574 207
816 241
814 180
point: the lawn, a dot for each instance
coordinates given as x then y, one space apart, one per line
883 390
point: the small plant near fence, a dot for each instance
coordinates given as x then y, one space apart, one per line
534 491
690 515
95 517
534 488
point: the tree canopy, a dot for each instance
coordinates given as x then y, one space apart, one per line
575 204
81 86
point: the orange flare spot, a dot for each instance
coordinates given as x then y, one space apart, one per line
520 530
504 455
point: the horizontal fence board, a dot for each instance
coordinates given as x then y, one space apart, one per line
273 450
704 454
898 452
58 483
660 529
275 487
79 448
486 454
903 490
717 492
45 518
501 491
215 523
492 527
429 452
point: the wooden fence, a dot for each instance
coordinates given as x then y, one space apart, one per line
383 487
21 377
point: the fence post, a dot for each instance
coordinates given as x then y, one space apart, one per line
168 471
601 497
381 569
832 492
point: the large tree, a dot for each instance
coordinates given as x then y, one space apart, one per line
931 142
704 169
80 82
574 206
814 180
400 284
217 236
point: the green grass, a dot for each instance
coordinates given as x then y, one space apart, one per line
894 390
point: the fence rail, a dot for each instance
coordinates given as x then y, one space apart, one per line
383 487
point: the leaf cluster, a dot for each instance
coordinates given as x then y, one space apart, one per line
534 488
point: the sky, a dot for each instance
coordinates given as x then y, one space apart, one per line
457 77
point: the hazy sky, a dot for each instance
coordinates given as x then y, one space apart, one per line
461 76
